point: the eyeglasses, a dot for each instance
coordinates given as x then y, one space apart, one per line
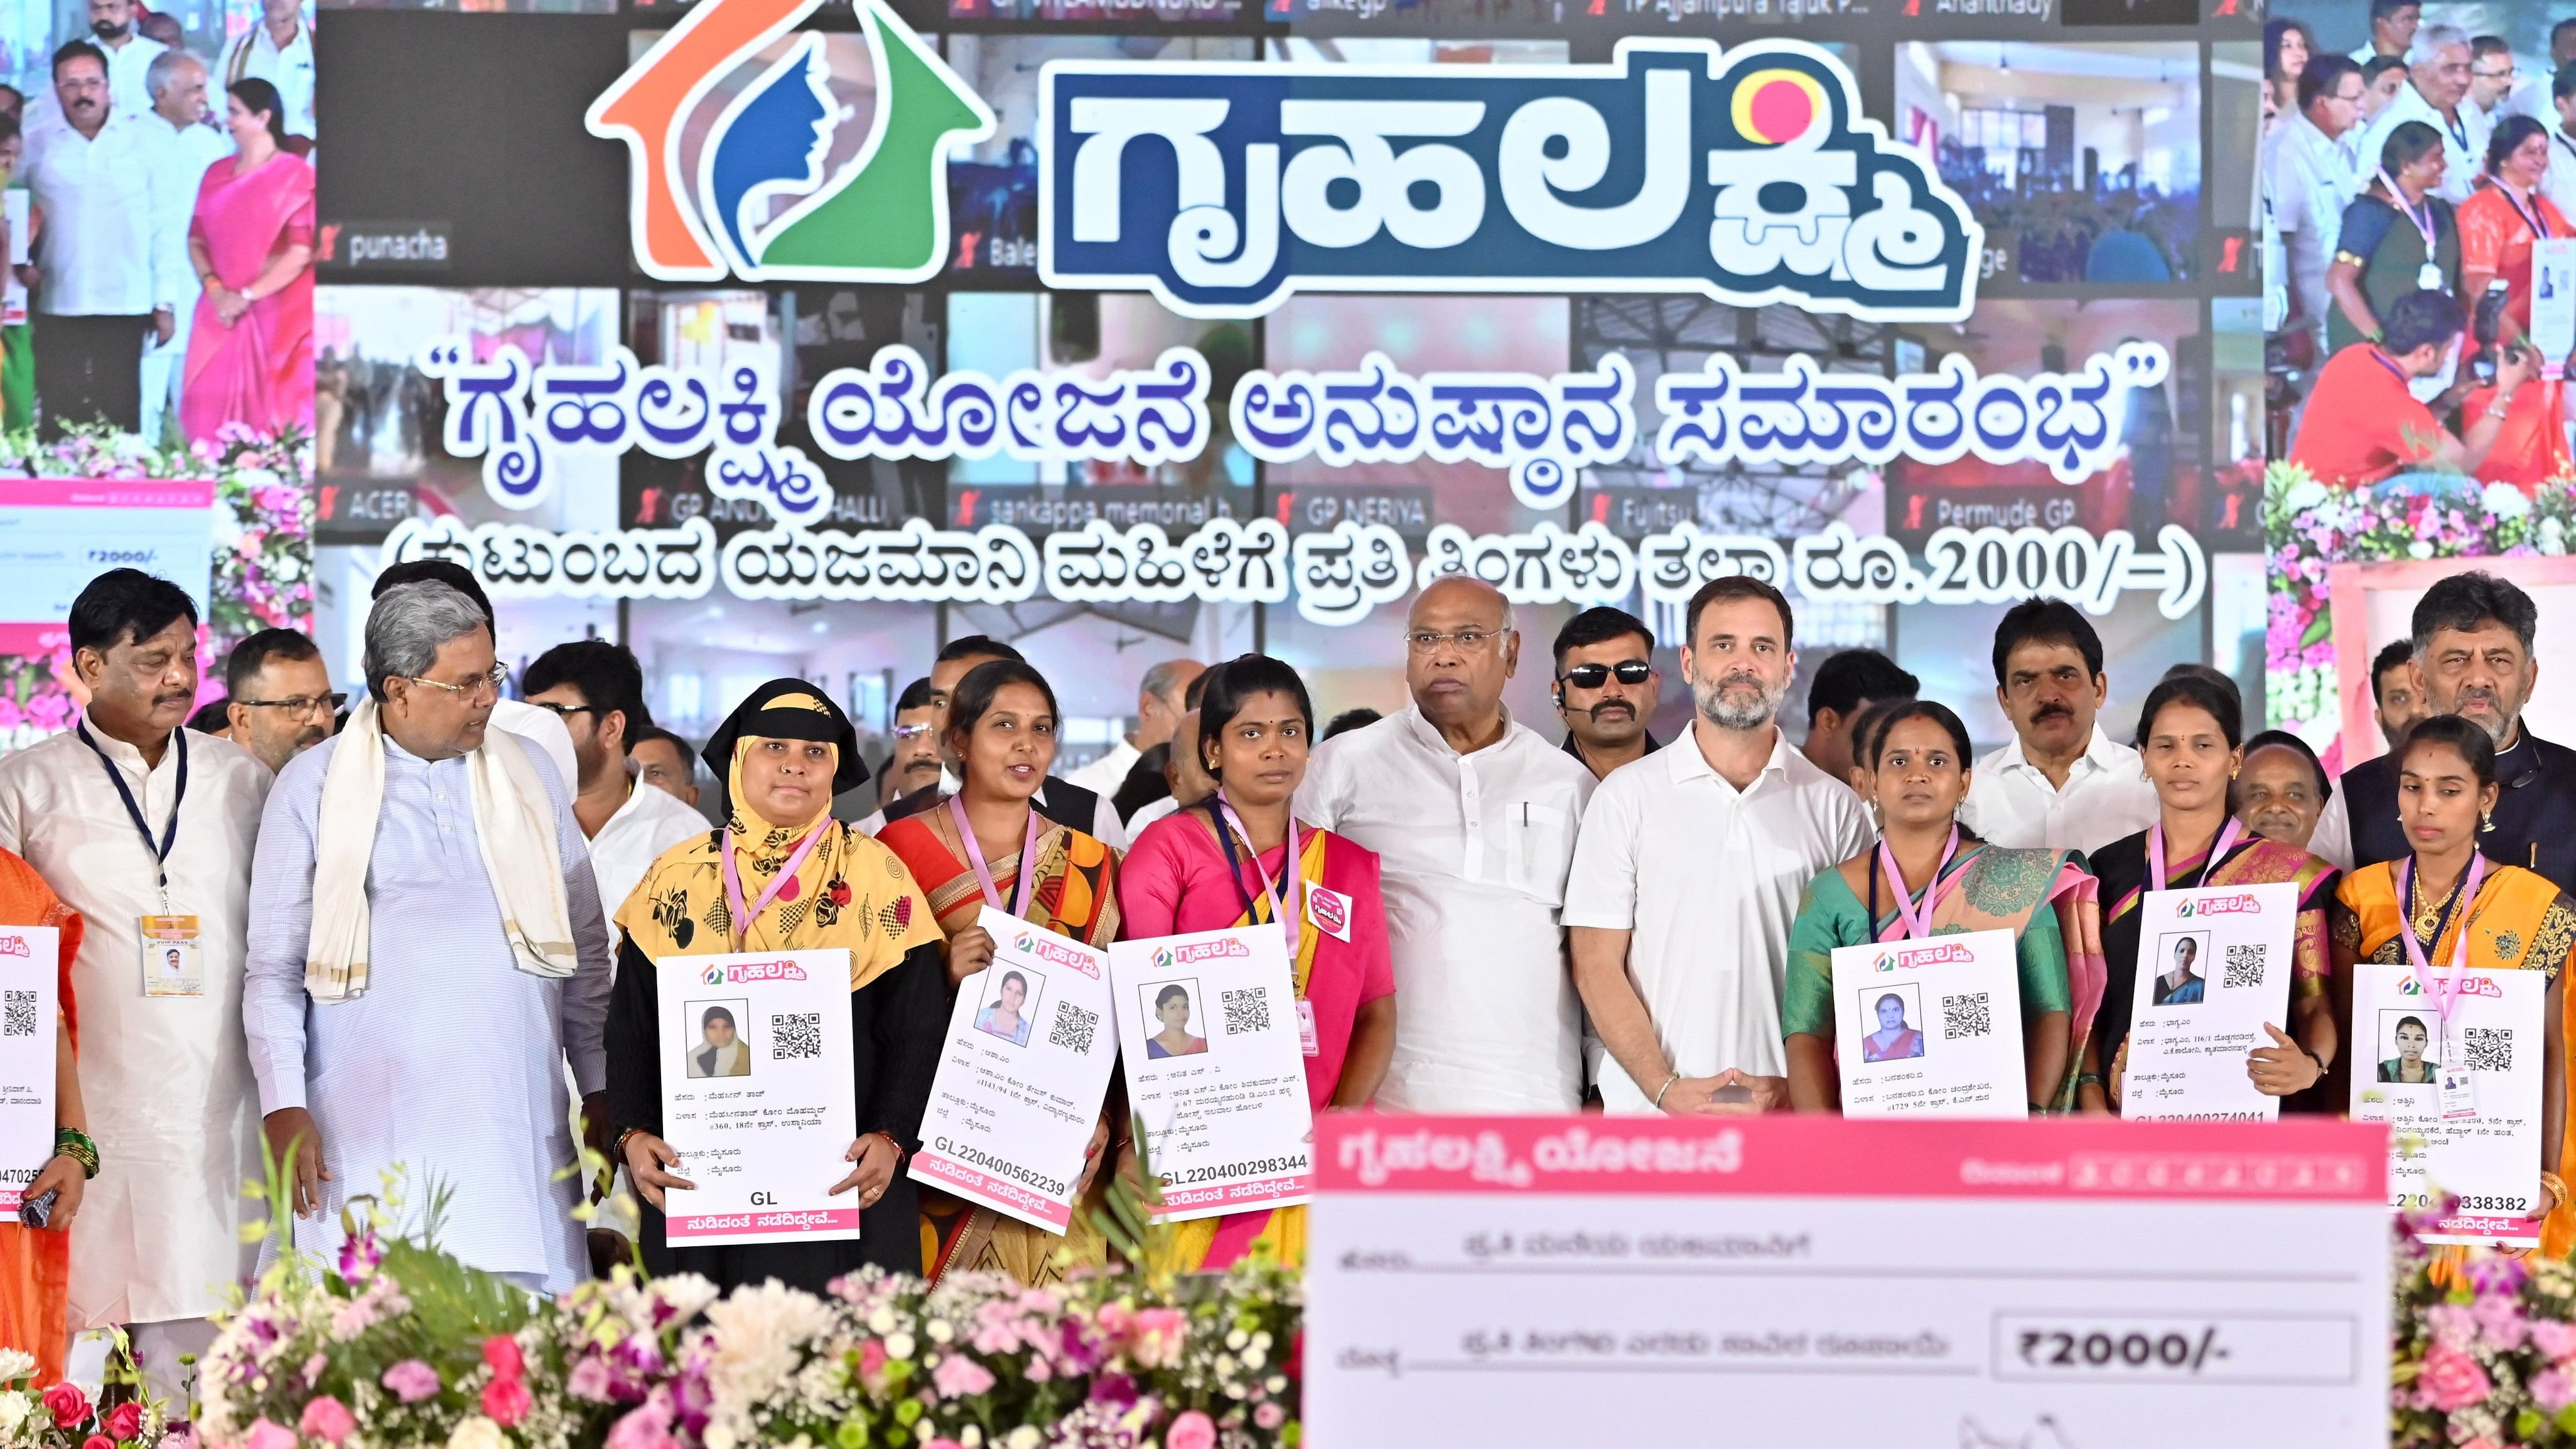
1468 641
1593 676
559 711
499 675
2505 74
910 731
300 704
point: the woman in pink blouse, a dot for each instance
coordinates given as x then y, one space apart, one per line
1218 863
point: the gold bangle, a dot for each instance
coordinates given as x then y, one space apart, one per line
2556 1187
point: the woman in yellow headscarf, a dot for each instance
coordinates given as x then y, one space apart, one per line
782 875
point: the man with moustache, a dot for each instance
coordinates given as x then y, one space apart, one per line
147 830
130 54
914 762
1059 800
2438 72
282 703
102 287
1473 817
664 761
1607 688
2473 636
2061 784
2395 703
1689 871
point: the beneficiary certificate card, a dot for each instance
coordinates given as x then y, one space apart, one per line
1030 1045
28 1025
2093 1283
1207 1025
2214 969
2462 1105
1931 1028
757 1096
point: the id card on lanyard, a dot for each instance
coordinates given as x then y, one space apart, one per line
1282 897
169 945
2459 1088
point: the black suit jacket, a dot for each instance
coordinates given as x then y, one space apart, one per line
2535 814
1066 804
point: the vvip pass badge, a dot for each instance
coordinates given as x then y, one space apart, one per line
1309 1040
1331 913
174 962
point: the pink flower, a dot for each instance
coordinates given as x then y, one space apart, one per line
1159 1332
125 1420
645 1427
872 1362
411 1380
67 1403
98 1441
506 1401
1192 1430
265 1435
2556 1339
2553 1390
2450 1380
589 1380
943 1444
2500 1321
1269 1416
328 1419
2451 1325
501 1351
958 1377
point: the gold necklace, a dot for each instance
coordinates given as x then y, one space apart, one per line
2427 915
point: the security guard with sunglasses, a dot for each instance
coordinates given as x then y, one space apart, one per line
1606 688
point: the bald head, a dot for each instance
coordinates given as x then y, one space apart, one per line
1460 649
1161 698
1185 772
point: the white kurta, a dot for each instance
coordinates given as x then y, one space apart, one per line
165 1080
1474 850
450 1067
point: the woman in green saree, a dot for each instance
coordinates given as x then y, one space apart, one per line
1948 882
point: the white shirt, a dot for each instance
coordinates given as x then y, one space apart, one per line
128 66
166 1079
96 254
2331 842
2010 802
2464 152
1103 776
1148 813
254 54
1708 878
650 822
542 728
1474 851
179 156
2312 180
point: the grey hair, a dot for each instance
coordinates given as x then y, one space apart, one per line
2432 38
407 626
1163 681
164 70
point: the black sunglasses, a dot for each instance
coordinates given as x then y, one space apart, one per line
1593 676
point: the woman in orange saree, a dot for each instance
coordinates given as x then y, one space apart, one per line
35 1263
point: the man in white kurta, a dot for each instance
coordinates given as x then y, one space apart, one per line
1689 870
1473 818
449 1065
164 1077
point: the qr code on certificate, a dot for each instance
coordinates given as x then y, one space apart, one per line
2244 966
2487 1049
17 1013
795 1036
1246 1010
1964 1016
1073 1028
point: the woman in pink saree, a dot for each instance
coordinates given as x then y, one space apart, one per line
250 352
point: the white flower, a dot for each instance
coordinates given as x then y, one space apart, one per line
898 1345
881 1322
2419 549
2503 500
971 1437
2305 494
687 1293
1023 1437
760 1334
720 1436
939 1331
477 1432
15 1365
2553 537
13 1412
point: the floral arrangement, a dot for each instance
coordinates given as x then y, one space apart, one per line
62 1416
400 1345
2485 1347
2308 526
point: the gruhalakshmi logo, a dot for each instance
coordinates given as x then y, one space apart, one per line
880 216
1749 176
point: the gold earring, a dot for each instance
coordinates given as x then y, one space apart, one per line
2486 825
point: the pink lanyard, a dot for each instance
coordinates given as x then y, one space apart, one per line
1283 897
2463 897
1917 927
742 919
2156 878
984 873
2424 225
